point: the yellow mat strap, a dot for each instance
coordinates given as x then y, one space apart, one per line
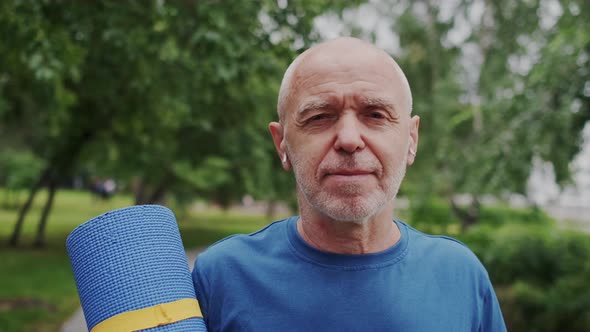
157 315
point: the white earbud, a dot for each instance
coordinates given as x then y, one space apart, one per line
412 152
284 160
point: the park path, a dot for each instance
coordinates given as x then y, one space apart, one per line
76 322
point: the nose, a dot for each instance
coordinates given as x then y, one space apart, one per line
348 135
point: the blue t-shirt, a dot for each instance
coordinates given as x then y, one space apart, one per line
272 280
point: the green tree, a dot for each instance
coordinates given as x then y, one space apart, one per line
172 93
514 89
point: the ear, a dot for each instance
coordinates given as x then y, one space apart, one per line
277 132
413 146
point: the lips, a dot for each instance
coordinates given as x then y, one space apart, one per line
350 172
352 168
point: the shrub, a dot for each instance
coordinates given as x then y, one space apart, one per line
500 214
434 215
431 215
542 275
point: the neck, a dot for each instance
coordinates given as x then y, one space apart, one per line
376 234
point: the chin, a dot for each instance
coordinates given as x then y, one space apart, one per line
358 210
348 204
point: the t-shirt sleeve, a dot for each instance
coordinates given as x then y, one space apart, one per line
492 320
200 283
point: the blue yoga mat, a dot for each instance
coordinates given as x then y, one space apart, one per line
129 259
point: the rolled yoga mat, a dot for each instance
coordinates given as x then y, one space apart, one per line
131 272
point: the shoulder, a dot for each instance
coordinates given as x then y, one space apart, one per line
240 247
444 250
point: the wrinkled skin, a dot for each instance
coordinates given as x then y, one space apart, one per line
346 132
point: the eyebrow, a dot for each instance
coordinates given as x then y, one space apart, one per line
313 105
381 103
374 102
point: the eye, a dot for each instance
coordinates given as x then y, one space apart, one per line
376 115
318 117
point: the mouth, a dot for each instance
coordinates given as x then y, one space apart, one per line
348 173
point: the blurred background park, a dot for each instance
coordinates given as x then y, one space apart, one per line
105 104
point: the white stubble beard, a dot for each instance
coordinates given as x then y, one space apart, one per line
358 209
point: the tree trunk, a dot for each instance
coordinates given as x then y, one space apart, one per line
139 190
6 201
271 209
40 237
15 237
63 162
142 194
158 196
468 216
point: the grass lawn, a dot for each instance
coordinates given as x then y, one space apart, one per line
37 290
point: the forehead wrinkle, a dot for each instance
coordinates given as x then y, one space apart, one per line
296 77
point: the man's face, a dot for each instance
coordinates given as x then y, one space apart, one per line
347 134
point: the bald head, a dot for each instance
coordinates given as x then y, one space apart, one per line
343 52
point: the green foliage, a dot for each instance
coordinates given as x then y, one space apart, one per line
213 173
513 90
541 273
433 214
522 252
19 169
497 215
536 254
154 91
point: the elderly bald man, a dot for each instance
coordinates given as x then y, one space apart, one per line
344 264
